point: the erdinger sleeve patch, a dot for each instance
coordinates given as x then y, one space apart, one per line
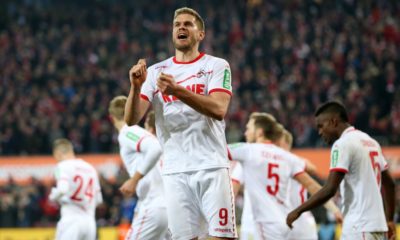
227 80
334 158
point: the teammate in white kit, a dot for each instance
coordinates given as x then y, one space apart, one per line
247 227
358 166
305 228
190 94
77 191
267 171
140 151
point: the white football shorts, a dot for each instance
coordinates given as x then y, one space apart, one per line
197 197
76 227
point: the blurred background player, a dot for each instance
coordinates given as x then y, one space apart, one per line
358 166
247 224
190 94
306 228
77 191
140 152
269 191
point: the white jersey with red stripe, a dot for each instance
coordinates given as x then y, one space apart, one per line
78 188
267 171
360 157
305 227
191 141
135 142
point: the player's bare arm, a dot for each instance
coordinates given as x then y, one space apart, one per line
214 105
388 195
310 167
136 107
129 186
327 191
313 187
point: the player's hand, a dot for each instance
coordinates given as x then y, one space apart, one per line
138 73
166 84
392 230
338 217
128 189
291 217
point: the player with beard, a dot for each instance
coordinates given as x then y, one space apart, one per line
190 94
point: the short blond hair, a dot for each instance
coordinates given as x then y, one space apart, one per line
190 11
63 145
287 137
279 130
253 115
116 107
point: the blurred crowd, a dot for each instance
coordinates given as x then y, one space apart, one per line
62 61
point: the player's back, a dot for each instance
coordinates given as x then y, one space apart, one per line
267 174
360 156
84 188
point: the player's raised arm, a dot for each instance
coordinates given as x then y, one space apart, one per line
136 107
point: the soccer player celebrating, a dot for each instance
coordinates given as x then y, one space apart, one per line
190 94
140 151
77 191
358 166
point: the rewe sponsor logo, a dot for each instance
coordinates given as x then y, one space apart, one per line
196 88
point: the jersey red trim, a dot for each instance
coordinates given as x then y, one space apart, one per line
194 60
297 174
220 90
236 181
141 224
139 142
229 154
339 170
144 97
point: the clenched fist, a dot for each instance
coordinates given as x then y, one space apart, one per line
138 73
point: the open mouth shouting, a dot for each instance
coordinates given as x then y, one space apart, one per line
182 36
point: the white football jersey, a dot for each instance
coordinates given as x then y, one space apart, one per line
360 157
191 141
140 151
267 171
78 188
247 222
304 227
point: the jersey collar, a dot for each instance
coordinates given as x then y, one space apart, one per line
347 130
194 60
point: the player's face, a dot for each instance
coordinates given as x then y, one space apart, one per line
186 34
250 133
326 127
